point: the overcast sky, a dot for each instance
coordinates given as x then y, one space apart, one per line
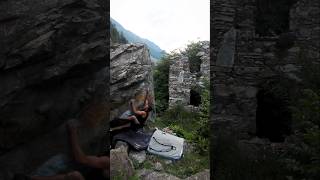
170 24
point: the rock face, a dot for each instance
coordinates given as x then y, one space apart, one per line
53 66
181 80
131 75
146 174
121 166
242 61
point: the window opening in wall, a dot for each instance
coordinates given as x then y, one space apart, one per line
272 16
273 118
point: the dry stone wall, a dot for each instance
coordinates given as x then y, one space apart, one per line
181 80
243 61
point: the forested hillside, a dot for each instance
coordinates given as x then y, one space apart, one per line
155 51
115 36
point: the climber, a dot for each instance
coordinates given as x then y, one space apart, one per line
143 114
90 167
137 116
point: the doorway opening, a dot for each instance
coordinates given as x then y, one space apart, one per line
273 118
195 98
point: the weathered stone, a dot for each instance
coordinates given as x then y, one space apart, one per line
153 175
121 166
204 175
182 80
288 68
131 76
122 144
138 156
226 53
158 166
242 61
168 162
48 61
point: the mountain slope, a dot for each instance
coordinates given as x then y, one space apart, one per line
155 51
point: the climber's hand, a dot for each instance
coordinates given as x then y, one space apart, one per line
131 102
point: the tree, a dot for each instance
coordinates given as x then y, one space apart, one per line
161 83
194 61
116 37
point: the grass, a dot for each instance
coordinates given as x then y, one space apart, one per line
190 164
185 124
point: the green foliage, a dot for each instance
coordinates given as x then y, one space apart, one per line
306 112
310 71
161 73
193 126
188 135
190 164
191 51
161 81
202 130
116 37
302 158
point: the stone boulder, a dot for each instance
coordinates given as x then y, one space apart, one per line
120 164
54 67
131 74
138 156
145 174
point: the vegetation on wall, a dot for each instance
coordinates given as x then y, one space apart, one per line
161 83
302 158
193 127
190 125
191 51
298 157
161 73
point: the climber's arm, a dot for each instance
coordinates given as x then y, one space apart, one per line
135 111
146 102
134 119
101 162
80 156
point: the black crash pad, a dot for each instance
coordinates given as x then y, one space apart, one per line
138 139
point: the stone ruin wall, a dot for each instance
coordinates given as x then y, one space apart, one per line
242 61
181 80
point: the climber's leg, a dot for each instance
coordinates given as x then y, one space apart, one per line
120 127
134 119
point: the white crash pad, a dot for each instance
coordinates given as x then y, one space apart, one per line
166 145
